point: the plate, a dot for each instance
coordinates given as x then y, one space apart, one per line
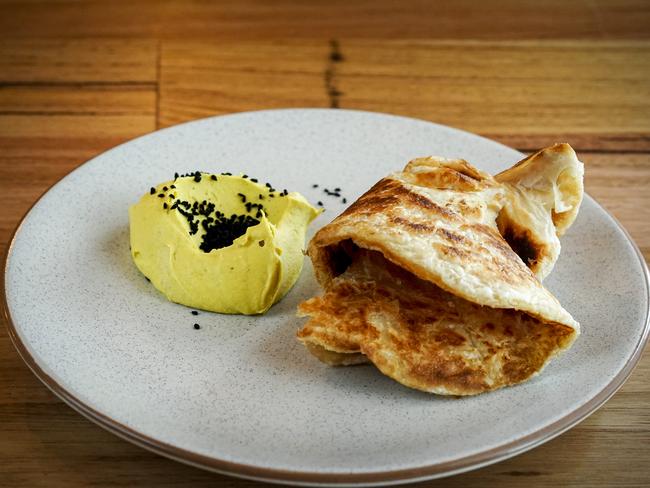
241 395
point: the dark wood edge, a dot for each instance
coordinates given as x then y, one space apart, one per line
410 475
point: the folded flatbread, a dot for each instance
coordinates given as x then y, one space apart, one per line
419 280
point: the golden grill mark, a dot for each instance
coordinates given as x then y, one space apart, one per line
457 238
412 225
376 199
450 251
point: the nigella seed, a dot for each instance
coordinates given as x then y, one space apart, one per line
165 188
171 195
268 185
254 180
165 206
315 185
197 326
175 176
161 195
320 204
172 186
152 191
244 176
194 312
213 178
345 200
337 189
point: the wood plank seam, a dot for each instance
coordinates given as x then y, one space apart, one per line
158 63
77 84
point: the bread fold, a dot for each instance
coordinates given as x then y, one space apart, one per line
419 280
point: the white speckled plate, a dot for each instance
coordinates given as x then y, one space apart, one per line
241 395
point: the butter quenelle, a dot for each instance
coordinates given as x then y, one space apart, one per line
220 242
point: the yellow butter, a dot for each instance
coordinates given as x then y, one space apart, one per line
246 277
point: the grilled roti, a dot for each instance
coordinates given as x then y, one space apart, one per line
419 281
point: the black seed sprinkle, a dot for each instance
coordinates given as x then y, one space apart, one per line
165 206
345 200
165 188
197 326
172 186
320 204
261 197
268 185
194 312
261 243
315 185
254 180
213 178
171 195
337 189
197 176
152 191
147 279
244 176
175 176
161 195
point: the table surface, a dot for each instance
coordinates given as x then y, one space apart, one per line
78 78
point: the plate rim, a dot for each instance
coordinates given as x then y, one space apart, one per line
311 478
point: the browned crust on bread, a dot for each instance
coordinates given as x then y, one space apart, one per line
424 337
432 230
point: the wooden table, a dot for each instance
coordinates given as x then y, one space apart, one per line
77 78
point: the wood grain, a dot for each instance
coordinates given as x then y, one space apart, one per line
595 95
79 77
318 19
50 62
76 107
199 79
